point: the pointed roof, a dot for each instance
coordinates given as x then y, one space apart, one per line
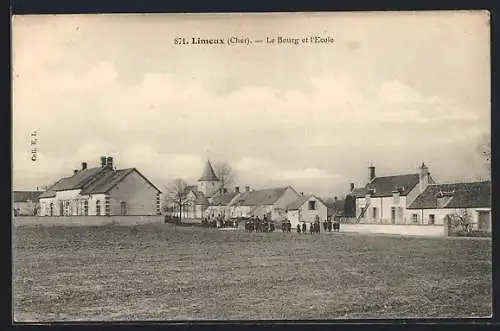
208 174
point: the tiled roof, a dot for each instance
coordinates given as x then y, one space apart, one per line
359 192
262 197
209 173
25 196
92 181
463 195
223 199
384 186
107 181
299 202
76 181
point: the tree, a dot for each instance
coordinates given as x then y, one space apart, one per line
225 173
459 220
177 194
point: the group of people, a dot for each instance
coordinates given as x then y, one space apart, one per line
219 221
257 224
315 227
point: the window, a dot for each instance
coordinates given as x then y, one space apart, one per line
123 208
98 207
67 208
51 209
362 214
432 219
414 218
374 213
312 205
393 215
85 208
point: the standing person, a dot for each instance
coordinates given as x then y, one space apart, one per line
298 228
325 226
288 226
283 226
271 227
311 228
329 225
304 229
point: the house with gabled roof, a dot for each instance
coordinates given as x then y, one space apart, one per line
384 200
441 200
26 203
269 202
306 209
101 191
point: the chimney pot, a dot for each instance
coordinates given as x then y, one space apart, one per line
247 188
301 193
335 198
237 189
84 165
75 171
352 186
103 161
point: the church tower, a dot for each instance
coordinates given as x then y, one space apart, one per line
208 183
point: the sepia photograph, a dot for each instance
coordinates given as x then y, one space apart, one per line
251 166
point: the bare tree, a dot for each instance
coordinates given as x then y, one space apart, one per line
177 195
225 173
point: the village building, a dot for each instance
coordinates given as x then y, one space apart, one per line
101 190
385 200
306 209
270 202
468 200
26 203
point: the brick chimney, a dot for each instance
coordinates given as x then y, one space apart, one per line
237 189
371 173
351 187
247 188
103 161
84 165
109 162
75 171
423 178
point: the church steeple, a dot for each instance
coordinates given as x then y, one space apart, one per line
208 174
208 183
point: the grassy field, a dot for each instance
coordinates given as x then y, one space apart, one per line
163 272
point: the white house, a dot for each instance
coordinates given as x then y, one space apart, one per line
306 209
102 191
440 200
384 200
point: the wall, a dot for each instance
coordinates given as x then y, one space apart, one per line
440 214
85 220
293 217
93 204
399 229
25 208
139 195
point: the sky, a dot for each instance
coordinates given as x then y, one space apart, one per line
394 90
